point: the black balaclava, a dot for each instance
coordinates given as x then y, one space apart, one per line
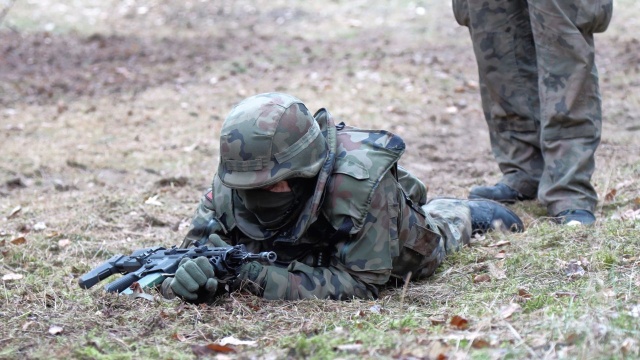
274 210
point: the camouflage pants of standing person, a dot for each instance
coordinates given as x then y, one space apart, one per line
540 94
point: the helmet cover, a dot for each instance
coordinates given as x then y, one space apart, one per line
267 138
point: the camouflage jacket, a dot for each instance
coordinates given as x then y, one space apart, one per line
344 242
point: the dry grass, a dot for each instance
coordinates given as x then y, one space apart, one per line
106 105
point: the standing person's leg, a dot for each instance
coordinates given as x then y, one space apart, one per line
570 109
506 57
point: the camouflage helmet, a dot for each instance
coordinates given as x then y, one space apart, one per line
267 138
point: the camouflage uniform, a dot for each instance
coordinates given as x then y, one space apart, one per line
366 223
539 89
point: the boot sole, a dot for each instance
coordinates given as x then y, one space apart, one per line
504 201
511 212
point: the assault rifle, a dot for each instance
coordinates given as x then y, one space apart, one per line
151 266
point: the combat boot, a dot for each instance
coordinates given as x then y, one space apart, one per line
499 192
490 215
575 217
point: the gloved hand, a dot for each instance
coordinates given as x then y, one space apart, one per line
248 278
216 241
195 281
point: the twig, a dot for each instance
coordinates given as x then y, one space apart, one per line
404 290
515 333
608 180
5 11
12 269
120 341
197 317
6 295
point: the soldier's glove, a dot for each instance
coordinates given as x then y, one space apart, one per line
195 281
216 241
248 278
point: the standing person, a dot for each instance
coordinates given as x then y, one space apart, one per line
540 95
330 201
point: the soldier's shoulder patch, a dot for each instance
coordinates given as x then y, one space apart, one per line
209 195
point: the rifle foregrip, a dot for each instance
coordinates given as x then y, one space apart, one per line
122 283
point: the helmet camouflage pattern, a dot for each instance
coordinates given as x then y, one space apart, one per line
267 138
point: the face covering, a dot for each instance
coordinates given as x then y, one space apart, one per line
274 210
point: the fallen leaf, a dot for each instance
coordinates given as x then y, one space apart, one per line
27 324
63 243
631 214
585 262
14 212
574 269
55 330
610 195
190 148
571 338
508 310
629 347
481 278
565 294
11 277
524 293
473 85
230 340
19 240
437 320
501 255
500 243
479 343
451 110
135 287
153 200
39 226
496 271
204 350
438 350
459 322
179 337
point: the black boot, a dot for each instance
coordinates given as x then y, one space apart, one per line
499 192
490 215
575 217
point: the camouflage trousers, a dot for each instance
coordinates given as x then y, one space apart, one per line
449 220
540 94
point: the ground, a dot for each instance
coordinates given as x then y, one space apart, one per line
110 113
